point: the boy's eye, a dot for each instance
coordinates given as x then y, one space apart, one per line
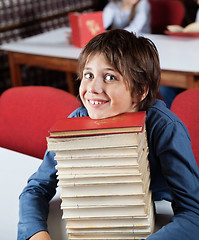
110 77
88 75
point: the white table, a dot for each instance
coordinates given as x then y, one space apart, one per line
177 53
178 60
52 50
16 168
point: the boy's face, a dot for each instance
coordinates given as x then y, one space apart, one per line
103 90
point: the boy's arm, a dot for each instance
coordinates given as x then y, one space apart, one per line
40 236
173 149
34 200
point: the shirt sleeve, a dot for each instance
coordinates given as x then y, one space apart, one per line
34 200
142 16
40 189
173 149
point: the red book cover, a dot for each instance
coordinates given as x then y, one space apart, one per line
85 26
123 123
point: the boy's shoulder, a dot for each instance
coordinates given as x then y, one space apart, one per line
79 112
160 116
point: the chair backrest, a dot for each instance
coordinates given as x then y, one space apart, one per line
27 113
185 106
165 12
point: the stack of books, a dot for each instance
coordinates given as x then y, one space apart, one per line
104 175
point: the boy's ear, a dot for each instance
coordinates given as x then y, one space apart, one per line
144 94
137 98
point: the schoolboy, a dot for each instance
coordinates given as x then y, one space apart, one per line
119 73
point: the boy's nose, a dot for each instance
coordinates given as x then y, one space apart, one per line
96 86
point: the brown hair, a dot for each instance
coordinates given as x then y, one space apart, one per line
135 58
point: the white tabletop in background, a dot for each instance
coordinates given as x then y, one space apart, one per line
16 168
54 43
176 53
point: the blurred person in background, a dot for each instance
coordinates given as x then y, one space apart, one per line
197 14
131 15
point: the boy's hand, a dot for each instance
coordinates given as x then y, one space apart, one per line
40 236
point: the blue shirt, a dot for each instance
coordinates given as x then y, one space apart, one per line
174 177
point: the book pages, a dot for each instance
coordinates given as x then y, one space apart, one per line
105 183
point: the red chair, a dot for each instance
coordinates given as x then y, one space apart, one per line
186 107
165 12
27 113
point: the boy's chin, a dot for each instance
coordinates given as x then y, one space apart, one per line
95 116
100 116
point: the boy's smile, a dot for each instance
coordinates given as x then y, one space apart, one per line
103 90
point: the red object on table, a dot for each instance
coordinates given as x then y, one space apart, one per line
85 26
